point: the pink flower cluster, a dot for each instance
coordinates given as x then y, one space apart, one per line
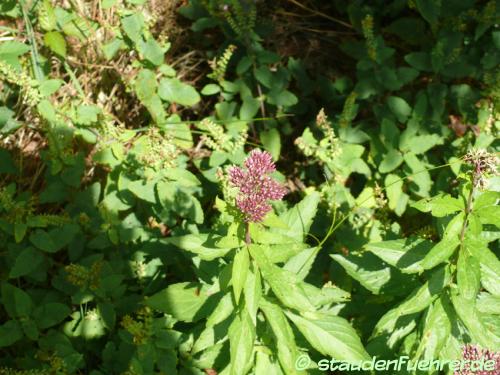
471 353
256 188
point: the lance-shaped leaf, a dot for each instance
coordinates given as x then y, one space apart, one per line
404 254
440 252
469 316
400 321
331 335
374 274
241 264
299 218
187 302
468 274
287 287
241 338
489 264
437 328
285 341
202 244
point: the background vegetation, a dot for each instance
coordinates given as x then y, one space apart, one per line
122 250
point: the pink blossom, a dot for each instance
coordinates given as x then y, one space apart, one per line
471 353
256 188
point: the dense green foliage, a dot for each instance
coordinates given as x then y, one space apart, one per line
122 249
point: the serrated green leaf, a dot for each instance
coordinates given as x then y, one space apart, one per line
203 245
187 302
299 218
285 285
241 338
436 330
406 255
468 314
331 335
468 274
56 42
241 264
440 205
440 252
283 334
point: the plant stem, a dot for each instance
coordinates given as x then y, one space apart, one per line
468 206
248 240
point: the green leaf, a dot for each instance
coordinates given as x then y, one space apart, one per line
391 161
10 333
50 314
223 310
401 320
390 330
429 9
488 304
42 240
490 265
253 292
151 51
422 297
47 16
299 218
281 98
331 336
241 338
55 239
436 330
50 86
56 42
468 274
175 91
187 302
470 318
420 176
399 107
440 205
287 287
203 245
373 274
283 334
241 264
8 124
19 231
397 198
271 141
14 48
440 252
249 108
182 177
133 26
301 263
16 301
26 262
210 89
404 254
420 144
143 189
